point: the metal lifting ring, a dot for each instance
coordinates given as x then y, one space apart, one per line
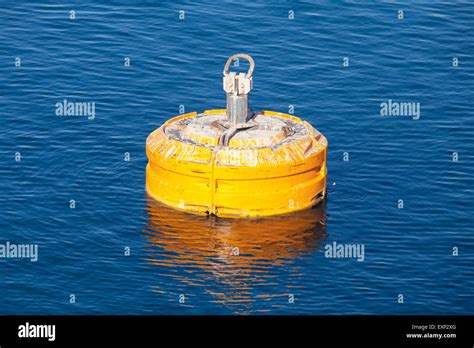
240 55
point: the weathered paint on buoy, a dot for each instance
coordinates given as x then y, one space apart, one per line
235 162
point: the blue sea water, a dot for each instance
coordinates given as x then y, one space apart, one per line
299 62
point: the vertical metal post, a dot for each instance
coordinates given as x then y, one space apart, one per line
237 88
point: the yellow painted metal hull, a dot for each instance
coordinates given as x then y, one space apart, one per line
240 180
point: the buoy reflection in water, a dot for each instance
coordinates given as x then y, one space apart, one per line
233 262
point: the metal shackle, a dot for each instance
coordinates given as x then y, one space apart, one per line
237 88
240 55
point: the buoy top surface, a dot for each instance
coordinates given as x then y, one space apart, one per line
211 129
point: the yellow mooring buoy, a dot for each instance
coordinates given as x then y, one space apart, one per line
235 162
